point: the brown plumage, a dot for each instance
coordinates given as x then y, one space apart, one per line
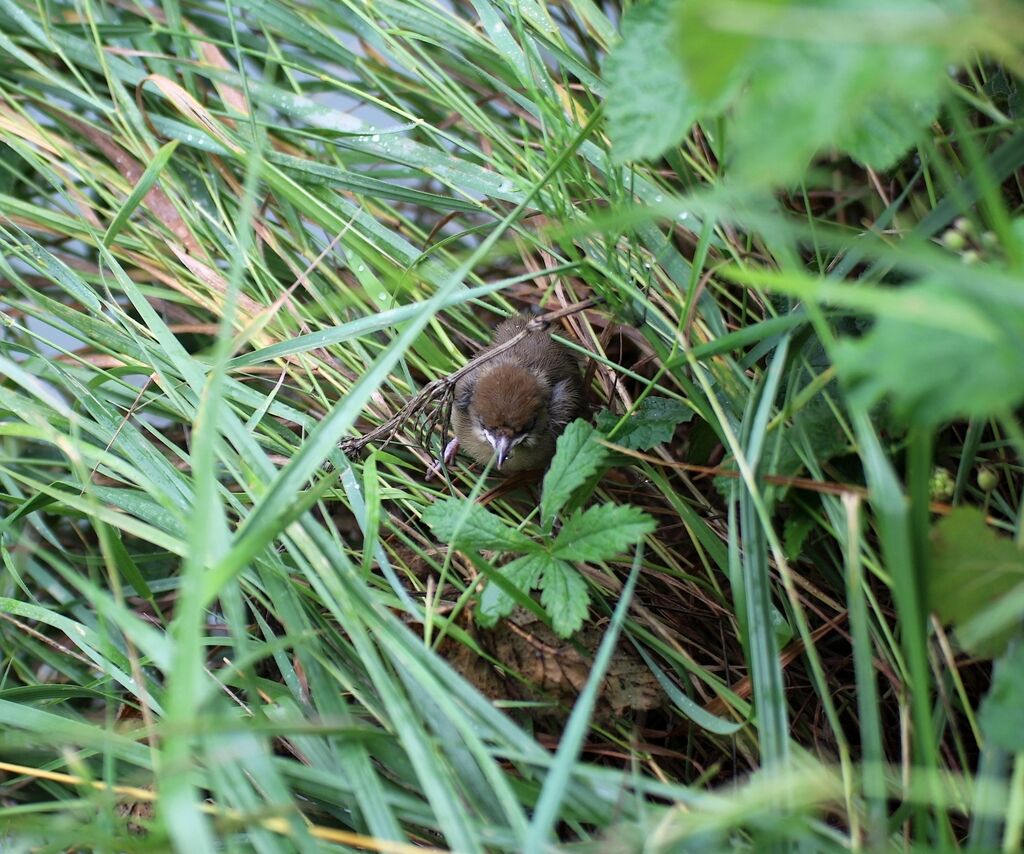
513 407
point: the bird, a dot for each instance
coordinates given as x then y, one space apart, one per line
512 408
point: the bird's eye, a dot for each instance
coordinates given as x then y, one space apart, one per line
529 427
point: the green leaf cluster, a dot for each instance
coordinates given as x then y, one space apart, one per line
789 79
598 533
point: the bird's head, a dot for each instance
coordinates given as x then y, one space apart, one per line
508 408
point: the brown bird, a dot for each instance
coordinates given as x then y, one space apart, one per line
513 407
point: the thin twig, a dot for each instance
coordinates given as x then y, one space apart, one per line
804 483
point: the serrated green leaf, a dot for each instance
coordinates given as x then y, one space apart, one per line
873 96
714 57
466 524
649 105
794 533
971 371
887 130
815 426
857 81
971 569
524 573
601 532
577 457
1000 712
564 597
653 422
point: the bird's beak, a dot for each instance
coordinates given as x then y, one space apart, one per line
502 445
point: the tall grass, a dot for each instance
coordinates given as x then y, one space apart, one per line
234 235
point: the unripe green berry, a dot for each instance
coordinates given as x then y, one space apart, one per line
953 239
988 479
971 256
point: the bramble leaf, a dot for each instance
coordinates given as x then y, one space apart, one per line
714 58
795 532
681 60
653 422
816 429
601 532
884 134
577 458
933 373
564 597
467 524
523 573
776 129
649 105
1000 711
971 569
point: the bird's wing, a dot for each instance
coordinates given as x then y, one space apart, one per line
565 403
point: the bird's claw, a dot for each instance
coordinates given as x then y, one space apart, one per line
450 450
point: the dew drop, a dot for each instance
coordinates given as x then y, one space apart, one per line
375 138
361 268
684 216
382 297
658 199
